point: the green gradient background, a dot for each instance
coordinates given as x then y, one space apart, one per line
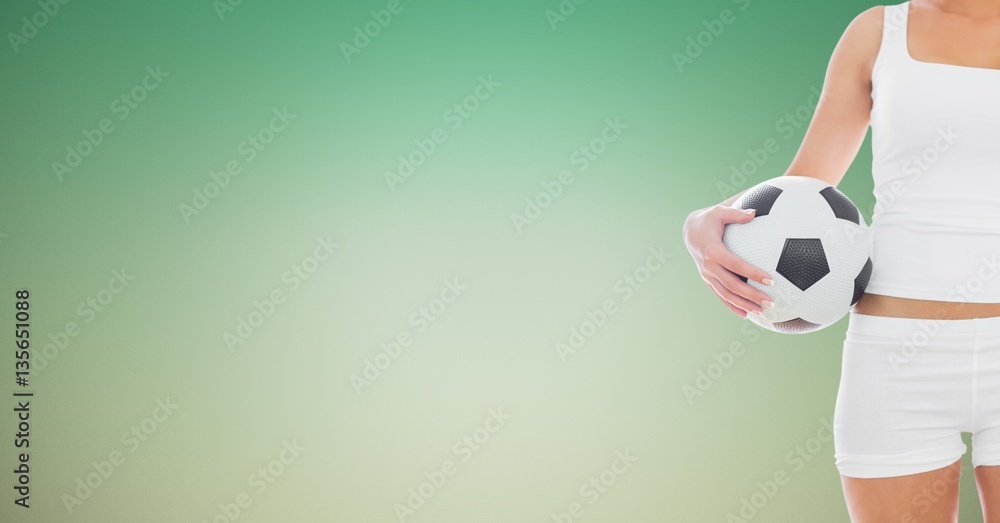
162 337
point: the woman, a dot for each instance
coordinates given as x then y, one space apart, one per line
921 360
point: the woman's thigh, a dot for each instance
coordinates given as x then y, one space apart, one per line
988 481
928 497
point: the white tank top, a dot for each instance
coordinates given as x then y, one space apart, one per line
936 167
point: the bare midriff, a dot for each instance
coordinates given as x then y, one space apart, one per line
879 305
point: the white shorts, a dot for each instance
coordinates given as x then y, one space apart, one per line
909 388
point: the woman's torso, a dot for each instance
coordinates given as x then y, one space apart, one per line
936 166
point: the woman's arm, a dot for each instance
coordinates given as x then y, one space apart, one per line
842 116
831 142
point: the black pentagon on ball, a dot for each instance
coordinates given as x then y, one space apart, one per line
861 282
761 198
803 262
796 326
842 206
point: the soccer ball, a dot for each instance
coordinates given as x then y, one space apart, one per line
813 241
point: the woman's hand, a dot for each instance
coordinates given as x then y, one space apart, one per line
719 267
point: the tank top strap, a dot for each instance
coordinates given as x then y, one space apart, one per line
893 52
894 22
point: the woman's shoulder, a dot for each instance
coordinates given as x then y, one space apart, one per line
862 39
867 26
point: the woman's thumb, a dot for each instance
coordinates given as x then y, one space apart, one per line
737 215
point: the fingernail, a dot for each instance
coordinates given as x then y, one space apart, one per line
749 211
768 303
767 281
